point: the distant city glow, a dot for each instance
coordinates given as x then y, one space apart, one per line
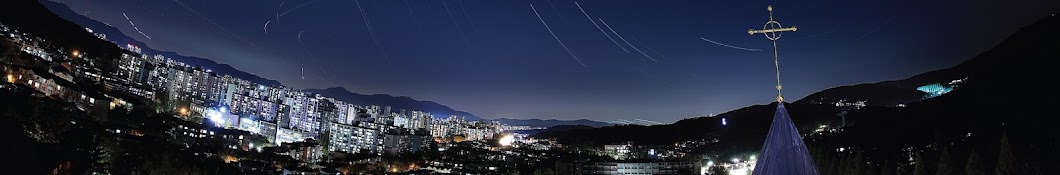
739 171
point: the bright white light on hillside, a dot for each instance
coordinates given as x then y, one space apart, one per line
215 116
507 140
739 171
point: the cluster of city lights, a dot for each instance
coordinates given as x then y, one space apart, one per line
506 140
217 116
736 166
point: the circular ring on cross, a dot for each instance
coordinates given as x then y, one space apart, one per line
772 35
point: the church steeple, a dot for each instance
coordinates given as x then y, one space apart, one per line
783 152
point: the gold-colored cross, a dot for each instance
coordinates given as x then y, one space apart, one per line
772 30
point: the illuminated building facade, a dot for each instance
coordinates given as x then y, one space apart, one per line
353 139
934 90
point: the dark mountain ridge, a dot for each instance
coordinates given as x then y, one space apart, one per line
58 31
551 122
998 97
117 37
65 27
395 102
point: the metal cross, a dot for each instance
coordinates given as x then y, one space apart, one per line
772 31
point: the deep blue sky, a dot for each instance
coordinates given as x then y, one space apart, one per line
496 59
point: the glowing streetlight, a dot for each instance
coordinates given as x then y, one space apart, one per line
76 54
753 157
735 160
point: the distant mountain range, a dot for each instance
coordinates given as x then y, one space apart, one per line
999 94
551 122
396 103
438 110
119 38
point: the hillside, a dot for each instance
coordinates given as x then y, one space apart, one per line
62 26
874 94
995 99
58 31
120 39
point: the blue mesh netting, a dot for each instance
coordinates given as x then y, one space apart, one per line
784 152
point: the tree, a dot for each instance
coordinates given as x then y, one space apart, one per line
860 166
872 169
902 170
718 170
45 124
162 101
833 167
920 167
845 164
1031 161
1006 160
888 168
544 172
975 164
945 164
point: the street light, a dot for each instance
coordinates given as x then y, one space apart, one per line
183 111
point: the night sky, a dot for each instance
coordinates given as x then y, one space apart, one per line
495 58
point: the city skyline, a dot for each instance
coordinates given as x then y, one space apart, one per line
82 96
484 69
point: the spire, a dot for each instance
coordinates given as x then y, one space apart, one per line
783 151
